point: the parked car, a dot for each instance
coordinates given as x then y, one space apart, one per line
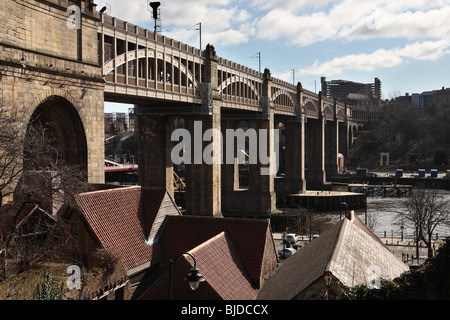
287 252
291 237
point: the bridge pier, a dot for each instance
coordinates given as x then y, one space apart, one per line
255 196
315 153
258 197
203 180
155 146
331 145
344 135
294 163
293 179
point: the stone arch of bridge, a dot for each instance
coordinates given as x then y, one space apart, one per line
63 127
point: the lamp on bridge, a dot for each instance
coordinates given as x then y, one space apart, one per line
155 6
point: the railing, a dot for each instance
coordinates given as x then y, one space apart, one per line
139 62
238 84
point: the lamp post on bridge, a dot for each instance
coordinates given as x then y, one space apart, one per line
194 278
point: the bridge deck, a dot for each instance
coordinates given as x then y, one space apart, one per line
140 65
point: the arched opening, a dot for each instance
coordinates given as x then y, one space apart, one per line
57 121
179 169
54 155
242 156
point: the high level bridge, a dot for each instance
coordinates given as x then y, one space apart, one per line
65 74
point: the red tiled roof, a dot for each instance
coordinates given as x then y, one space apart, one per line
219 263
183 233
121 220
221 267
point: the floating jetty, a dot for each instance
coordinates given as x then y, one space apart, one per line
327 200
392 190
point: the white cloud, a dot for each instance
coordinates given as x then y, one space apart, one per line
224 22
358 19
291 5
305 22
428 50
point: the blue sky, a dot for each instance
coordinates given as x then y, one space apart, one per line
406 44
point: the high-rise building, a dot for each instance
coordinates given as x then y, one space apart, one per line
361 94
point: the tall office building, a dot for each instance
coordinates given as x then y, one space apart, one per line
361 94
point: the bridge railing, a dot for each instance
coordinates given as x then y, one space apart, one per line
284 96
139 62
238 84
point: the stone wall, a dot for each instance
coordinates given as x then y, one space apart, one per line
41 58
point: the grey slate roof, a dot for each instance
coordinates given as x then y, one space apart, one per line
347 250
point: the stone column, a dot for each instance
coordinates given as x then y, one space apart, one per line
229 173
155 146
203 194
261 197
316 152
261 190
344 135
332 144
294 179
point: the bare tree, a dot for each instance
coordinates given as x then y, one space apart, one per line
425 210
32 171
12 133
372 221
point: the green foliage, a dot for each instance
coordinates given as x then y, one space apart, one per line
49 291
430 281
388 290
410 135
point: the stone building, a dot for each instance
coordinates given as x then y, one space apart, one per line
440 98
49 67
345 255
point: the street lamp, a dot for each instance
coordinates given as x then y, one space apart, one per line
194 278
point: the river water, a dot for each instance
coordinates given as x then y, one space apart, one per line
383 211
